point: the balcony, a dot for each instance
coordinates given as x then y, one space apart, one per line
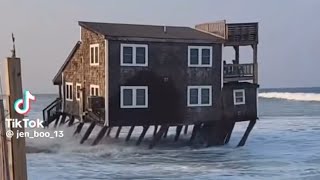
238 72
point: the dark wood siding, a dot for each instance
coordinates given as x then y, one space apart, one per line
167 77
243 112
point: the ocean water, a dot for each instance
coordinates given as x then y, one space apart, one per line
284 144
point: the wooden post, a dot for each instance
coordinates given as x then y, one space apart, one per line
178 131
118 132
100 135
17 156
186 129
129 133
255 63
144 131
88 132
237 55
4 164
246 134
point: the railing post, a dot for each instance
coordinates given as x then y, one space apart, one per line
255 63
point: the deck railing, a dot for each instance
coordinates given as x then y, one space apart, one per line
51 108
237 70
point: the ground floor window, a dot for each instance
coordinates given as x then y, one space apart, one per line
69 91
239 96
94 90
134 97
199 96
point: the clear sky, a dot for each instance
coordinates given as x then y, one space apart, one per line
46 31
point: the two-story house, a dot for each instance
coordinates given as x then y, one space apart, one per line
144 75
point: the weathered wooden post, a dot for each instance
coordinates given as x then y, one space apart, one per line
4 164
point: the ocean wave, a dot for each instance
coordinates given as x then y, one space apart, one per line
291 96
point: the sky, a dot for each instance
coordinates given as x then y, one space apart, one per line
46 31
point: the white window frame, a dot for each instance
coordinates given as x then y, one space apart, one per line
134 57
243 96
95 61
69 85
95 87
199 56
134 97
199 96
78 85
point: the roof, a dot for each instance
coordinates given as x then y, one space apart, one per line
58 77
149 31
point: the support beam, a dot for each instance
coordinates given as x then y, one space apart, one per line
58 120
79 127
143 133
186 129
178 131
118 132
246 134
88 132
71 121
129 133
194 132
166 133
237 55
63 120
109 131
229 133
155 130
100 135
158 136
255 63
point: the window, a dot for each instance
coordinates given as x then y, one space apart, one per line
94 54
134 55
200 56
94 90
239 97
134 97
78 89
69 91
199 96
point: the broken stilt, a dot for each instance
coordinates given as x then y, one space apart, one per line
63 120
109 131
246 134
194 132
129 133
178 131
229 133
71 121
158 136
155 130
186 129
79 127
144 131
118 132
58 119
88 132
100 135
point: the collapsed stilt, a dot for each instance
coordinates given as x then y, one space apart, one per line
79 127
129 133
100 135
63 120
246 134
88 132
229 133
144 131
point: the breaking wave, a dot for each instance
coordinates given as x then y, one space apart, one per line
291 96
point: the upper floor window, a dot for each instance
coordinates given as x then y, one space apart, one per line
134 97
199 56
94 54
94 90
78 89
199 96
239 96
134 55
69 91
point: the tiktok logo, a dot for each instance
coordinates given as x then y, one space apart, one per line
23 106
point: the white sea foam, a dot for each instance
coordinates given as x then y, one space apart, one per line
291 96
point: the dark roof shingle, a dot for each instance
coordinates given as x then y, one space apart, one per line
148 31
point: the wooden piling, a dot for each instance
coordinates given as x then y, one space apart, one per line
63 119
246 134
17 155
194 132
79 128
186 129
100 135
88 132
155 130
229 133
129 133
71 121
166 133
109 131
158 136
143 133
178 131
118 132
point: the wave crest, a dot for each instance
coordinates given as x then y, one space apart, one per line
291 96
